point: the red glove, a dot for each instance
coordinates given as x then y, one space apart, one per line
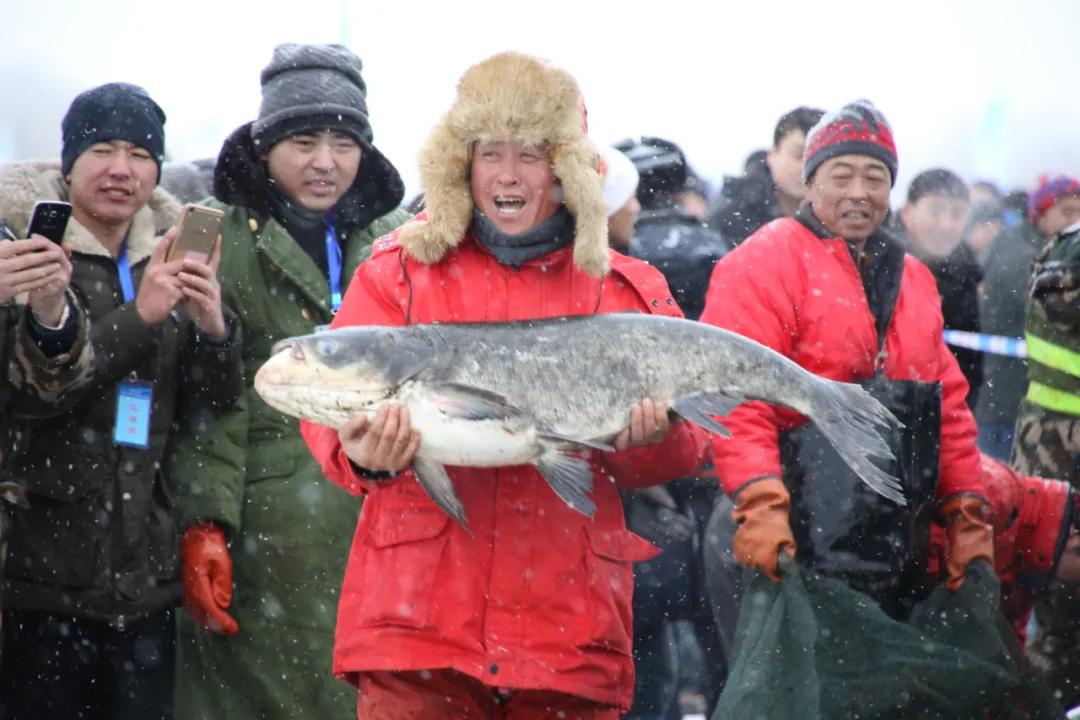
971 537
206 573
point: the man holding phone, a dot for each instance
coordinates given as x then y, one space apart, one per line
92 575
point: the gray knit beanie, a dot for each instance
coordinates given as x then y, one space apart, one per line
311 87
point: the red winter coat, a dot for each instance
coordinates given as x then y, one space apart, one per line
539 596
802 296
1031 518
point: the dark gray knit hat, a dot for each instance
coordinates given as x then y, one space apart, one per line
311 87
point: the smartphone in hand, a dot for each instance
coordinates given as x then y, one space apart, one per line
49 219
198 232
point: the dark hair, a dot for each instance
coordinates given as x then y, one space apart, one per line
937 181
801 118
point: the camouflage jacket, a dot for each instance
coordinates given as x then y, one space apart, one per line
1053 325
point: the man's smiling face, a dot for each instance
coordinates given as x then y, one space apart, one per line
514 185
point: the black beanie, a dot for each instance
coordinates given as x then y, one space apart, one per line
116 111
311 87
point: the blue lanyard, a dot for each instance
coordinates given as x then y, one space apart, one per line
123 269
333 261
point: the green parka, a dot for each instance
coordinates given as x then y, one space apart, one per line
289 529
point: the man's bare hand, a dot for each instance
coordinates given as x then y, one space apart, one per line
37 266
386 443
649 424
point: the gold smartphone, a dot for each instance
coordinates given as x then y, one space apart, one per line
198 232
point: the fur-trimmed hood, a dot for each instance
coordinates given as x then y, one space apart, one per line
241 178
22 184
516 97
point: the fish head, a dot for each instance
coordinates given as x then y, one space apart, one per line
329 377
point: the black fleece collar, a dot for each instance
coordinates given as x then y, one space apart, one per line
241 178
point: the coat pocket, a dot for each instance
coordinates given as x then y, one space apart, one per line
60 539
404 553
610 556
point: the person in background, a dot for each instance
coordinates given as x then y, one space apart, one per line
92 577
667 236
931 223
747 203
833 292
305 191
1053 205
620 186
1047 439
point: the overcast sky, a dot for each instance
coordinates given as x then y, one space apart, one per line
985 88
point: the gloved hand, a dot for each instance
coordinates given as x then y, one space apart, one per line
764 528
206 574
971 537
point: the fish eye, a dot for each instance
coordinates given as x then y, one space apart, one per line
327 347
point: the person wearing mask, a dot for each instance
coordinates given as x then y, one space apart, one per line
92 577
305 191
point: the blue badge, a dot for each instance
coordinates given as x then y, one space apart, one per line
134 399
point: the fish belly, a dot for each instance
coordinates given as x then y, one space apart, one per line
472 443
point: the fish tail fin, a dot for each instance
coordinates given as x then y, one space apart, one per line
853 420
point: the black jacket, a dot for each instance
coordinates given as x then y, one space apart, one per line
745 204
958 277
683 249
99 539
1001 312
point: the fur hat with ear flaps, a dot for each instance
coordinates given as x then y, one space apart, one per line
510 97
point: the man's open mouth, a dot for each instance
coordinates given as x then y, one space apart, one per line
509 205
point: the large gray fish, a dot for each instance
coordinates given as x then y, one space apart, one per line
544 391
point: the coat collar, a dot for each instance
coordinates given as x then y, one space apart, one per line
22 184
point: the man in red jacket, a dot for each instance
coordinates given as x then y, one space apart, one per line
529 615
830 290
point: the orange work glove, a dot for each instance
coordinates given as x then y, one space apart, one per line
971 537
206 574
764 527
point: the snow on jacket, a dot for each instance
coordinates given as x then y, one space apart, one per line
539 596
803 296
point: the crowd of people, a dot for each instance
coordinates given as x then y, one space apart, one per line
141 472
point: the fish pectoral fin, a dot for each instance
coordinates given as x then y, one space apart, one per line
699 410
570 477
470 403
437 484
580 442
